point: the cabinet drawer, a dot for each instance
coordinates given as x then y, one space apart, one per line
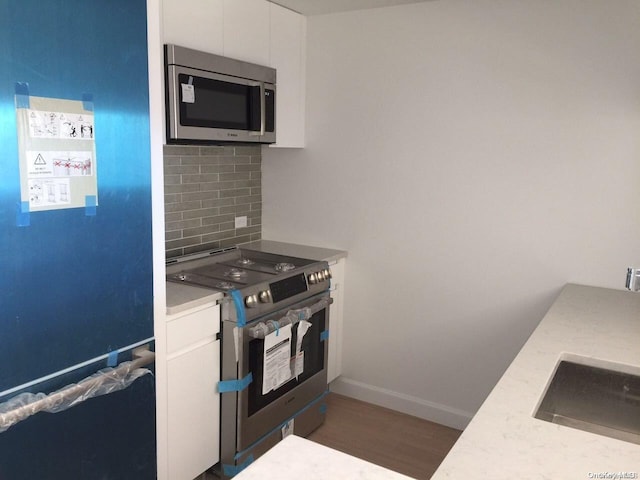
192 327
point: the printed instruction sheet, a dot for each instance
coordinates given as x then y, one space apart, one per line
303 327
277 359
57 153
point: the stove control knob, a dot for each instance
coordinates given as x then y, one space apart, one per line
320 275
265 296
327 273
313 278
251 301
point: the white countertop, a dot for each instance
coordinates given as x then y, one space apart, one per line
184 297
296 458
295 250
505 441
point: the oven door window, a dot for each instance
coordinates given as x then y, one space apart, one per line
314 361
219 104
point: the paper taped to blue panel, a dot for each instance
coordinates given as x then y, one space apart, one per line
239 304
235 385
22 95
23 218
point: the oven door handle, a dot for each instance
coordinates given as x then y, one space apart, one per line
292 317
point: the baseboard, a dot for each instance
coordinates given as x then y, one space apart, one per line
434 412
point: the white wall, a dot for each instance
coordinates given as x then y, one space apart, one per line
473 156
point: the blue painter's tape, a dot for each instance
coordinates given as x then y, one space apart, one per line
324 336
233 470
22 95
90 203
225 386
22 88
23 218
277 325
87 102
323 409
237 301
112 359
22 101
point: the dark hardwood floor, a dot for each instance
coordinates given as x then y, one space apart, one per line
394 440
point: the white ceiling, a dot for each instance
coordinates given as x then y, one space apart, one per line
321 7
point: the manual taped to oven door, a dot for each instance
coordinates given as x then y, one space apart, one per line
277 359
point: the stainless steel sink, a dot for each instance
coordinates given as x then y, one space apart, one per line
593 399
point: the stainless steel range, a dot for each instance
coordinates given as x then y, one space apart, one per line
275 330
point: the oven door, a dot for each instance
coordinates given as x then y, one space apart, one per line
269 401
205 106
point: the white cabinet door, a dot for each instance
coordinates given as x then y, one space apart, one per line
334 366
246 30
194 24
194 411
288 57
193 402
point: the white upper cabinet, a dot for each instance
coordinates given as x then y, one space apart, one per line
246 30
287 45
194 24
255 31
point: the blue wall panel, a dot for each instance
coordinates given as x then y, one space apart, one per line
76 286
73 286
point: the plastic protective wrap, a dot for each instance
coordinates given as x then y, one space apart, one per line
103 382
262 329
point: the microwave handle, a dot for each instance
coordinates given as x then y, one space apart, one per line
263 114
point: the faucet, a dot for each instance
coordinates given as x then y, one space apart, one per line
633 279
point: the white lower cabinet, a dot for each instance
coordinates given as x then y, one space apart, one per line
334 364
193 403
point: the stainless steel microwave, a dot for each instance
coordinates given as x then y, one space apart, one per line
215 99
